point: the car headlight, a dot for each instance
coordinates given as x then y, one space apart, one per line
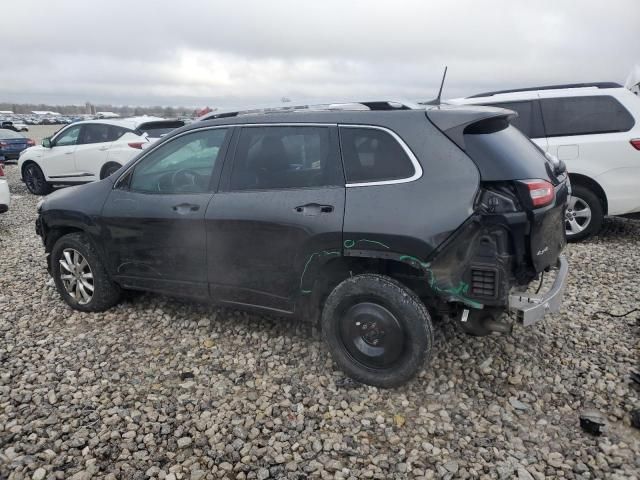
39 205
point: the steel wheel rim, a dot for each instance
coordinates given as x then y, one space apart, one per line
578 216
76 276
371 335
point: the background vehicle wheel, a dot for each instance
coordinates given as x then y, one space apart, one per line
378 331
109 169
80 276
584 214
34 180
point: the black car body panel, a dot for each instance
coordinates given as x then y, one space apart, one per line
270 247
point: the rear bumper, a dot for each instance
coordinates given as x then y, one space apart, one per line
532 308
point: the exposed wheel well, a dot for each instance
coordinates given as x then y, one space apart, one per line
338 269
55 233
592 185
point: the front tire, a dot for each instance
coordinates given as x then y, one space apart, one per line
377 330
35 180
80 277
584 214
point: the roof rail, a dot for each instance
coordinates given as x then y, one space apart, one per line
375 105
550 87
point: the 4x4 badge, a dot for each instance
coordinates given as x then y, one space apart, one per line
540 252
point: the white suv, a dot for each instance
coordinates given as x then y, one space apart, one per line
595 129
90 150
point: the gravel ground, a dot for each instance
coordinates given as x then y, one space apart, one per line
164 388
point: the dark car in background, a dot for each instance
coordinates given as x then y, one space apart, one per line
369 221
12 144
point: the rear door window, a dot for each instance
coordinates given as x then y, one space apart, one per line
373 155
98 133
584 116
285 157
528 121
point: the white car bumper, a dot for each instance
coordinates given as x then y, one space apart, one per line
5 196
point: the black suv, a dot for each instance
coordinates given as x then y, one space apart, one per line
371 221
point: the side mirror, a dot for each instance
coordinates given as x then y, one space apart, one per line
46 142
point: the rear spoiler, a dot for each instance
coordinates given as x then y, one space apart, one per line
158 124
452 120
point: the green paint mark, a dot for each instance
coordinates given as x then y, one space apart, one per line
459 291
352 243
306 265
374 241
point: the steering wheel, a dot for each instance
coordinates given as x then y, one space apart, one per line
185 178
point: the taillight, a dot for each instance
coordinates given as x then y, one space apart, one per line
1 171
541 192
30 142
137 145
635 143
3 144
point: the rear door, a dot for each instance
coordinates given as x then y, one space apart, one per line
154 216
278 217
93 148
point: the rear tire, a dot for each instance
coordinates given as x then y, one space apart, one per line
377 330
80 276
109 169
584 215
35 180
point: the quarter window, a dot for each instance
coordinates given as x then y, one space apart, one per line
285 157
68 137
182 165
373 155
584 115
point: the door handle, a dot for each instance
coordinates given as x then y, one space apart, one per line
102 149
68 153
311 209
185 208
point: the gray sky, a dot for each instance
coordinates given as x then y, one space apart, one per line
240 52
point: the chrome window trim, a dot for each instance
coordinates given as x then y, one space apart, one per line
417 168
414 160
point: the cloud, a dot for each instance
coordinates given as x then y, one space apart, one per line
240 52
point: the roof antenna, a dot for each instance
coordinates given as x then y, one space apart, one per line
436 101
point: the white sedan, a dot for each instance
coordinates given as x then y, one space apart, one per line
5 195
90 150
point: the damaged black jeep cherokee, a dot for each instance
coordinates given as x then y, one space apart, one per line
371 218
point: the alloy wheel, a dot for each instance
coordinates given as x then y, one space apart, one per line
32 178
577 216
76 276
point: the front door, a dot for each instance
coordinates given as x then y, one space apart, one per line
154 217
278 216
58 161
